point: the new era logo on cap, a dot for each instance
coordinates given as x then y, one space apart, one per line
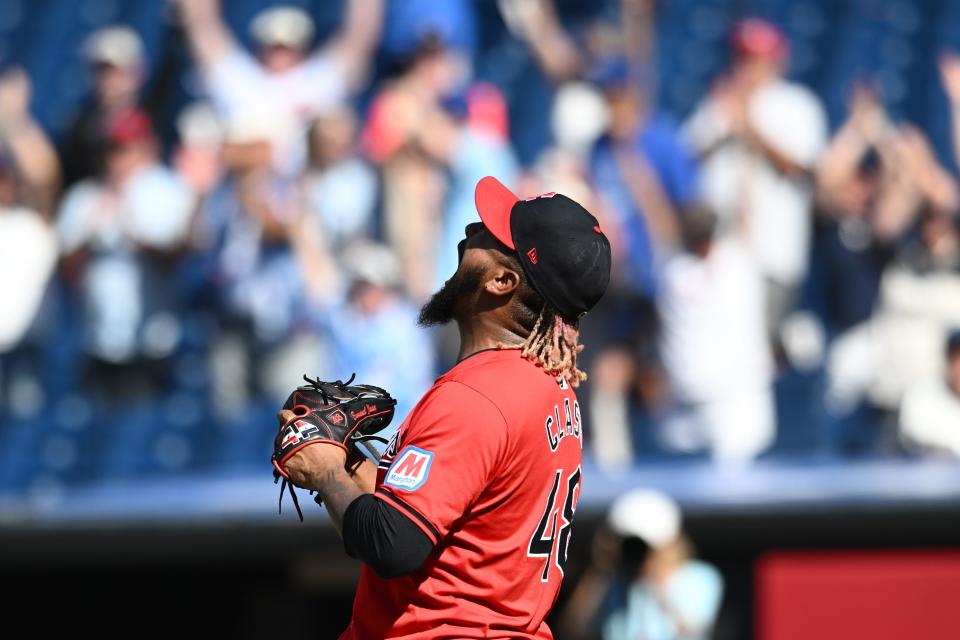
532 254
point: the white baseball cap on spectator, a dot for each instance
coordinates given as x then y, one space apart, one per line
372 262
283 26
647 514
579 116
198 124
116 46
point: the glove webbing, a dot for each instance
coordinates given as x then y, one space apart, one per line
321 388
344 387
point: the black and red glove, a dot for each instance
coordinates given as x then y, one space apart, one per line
337 413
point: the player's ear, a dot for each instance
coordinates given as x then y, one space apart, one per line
502 281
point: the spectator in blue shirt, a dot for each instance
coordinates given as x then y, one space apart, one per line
643 171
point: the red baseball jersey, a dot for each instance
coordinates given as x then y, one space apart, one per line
488 465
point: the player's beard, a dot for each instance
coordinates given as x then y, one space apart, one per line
442 306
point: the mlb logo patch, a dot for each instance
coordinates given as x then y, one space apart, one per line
410 470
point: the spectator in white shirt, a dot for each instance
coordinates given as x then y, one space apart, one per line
114 232
284 81
340 188
919 304
759 137
714 349
930 414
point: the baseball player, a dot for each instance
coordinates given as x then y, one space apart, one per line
464 528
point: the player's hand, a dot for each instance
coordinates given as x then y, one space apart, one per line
193 11
311 462
950 75
867 114
14 96
731 102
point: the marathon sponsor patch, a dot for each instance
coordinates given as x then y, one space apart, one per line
410 470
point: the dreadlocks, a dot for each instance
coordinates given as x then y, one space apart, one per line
553 341
553 344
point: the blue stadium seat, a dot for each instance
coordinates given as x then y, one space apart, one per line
125 439
18 444
246 442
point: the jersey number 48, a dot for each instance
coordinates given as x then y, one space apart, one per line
542 545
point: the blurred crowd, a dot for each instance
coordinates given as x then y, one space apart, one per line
771 276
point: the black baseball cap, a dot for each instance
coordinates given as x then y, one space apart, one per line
563 251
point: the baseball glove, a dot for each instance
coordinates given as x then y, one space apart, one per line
337 413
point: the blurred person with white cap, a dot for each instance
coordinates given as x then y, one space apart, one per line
198 155
285 79
116 58
644 582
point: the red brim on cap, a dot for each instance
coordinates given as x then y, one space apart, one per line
494 203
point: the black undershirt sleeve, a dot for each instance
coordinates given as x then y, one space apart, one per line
384 538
